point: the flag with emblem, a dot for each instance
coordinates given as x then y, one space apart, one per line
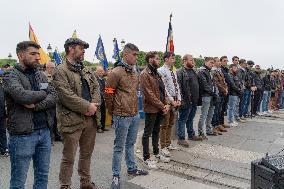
56 57
170 41
100 53
116 55
44 58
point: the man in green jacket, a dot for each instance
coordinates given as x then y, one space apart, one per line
79 97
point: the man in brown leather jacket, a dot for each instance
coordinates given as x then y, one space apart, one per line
122 103
154 106
79 97
219 80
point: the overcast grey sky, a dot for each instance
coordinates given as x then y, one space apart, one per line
250 29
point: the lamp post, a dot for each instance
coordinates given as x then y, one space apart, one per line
122 43
10 56
49 50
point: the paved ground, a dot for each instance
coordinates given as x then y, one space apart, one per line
220 162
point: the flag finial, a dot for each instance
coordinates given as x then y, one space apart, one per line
74 35
171 17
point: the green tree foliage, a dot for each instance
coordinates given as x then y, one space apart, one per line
198 62
11 62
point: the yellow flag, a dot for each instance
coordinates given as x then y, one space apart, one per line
44 58
74 35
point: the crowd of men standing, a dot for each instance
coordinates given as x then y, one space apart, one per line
68 103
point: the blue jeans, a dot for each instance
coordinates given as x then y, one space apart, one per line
126 129
281 101
3 136
23 148
237 111
207 111
265 100
185 118
246 102
232 104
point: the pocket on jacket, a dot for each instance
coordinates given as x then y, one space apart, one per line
69 118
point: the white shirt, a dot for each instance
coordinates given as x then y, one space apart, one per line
165 72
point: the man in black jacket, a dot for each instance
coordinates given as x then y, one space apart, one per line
29 103
189 87
3 136
242 75
234 93
225 71
249 88
208 96
259 91
267 86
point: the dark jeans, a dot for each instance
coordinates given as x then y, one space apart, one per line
246 102
185 118
152 127
218 117
23 148
224 109
257 100
3 136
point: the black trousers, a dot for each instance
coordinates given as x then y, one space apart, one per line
257 101
3 137
218 116
224 110
152 127
54 133
103 116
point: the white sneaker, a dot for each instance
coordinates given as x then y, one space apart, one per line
162 158
165 152
233 124
264 113
259 113
151 164
270 111
172 147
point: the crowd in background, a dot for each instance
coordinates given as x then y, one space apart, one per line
68 103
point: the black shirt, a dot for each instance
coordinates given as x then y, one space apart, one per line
39 117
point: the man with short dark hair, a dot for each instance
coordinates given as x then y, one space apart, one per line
225 71
155 106
79 97
30 100
208 95
235 60
189 87
242 74
249 88
259 91
122 103
267 86
173 92
234 92
219 80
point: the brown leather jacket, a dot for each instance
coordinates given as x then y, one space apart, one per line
149 82
219 80
72 106
121 92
